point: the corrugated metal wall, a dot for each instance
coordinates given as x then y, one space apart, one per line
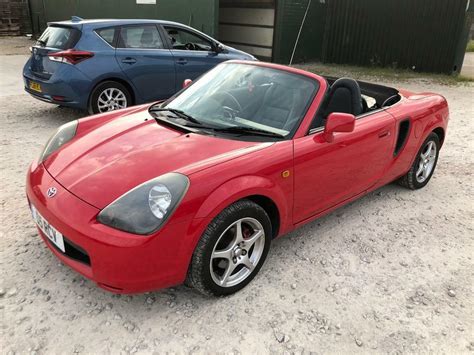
289 15
423 35
202 14
427 35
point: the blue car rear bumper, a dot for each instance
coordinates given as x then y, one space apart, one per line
67 87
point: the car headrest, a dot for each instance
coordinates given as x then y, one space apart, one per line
344 96
147 36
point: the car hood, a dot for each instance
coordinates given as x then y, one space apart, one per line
242 54
111 159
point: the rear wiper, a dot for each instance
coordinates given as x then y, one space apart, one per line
41 42
179 113
249 130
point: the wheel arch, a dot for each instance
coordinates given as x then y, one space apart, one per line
270 208
440 133
257 189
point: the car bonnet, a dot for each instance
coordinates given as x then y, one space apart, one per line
115 157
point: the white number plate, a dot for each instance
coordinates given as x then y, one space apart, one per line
53 235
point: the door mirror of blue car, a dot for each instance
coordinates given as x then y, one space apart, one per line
218 48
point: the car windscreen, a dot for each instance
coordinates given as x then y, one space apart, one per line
248 96
59 37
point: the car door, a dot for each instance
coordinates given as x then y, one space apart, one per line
327 174
193 53
146 62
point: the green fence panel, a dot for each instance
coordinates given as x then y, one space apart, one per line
289 16
202 14
423 35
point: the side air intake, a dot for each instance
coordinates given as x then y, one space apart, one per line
403 131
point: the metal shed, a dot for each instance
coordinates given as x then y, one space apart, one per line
424 35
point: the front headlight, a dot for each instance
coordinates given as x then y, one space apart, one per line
63 135
144 209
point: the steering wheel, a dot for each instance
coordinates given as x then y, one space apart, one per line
229 112
239 108
190 46
389 100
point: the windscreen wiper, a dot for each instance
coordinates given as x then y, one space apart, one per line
249 130
179 113
163 121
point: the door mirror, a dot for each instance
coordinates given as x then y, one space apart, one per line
218 48
338 122
187 82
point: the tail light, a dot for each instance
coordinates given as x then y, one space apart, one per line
70 56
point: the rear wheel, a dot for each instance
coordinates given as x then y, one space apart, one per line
232 250
109 96
424 165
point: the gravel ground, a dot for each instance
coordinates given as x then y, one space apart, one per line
390 273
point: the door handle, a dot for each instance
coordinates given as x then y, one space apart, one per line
181 61
129 60
384 134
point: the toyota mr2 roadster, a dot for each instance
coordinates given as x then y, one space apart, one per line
195 189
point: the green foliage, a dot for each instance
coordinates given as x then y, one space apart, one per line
470 46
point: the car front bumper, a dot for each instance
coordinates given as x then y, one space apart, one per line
117 261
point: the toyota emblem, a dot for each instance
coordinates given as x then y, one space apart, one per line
51 192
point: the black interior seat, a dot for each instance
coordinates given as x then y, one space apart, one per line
277 106
344 96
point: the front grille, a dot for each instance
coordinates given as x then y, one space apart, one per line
73 251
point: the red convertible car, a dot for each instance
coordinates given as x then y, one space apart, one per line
195 189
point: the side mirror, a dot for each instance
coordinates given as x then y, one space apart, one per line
187 82
338 122
218 48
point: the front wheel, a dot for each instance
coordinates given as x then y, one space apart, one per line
109 96
424 165
232 250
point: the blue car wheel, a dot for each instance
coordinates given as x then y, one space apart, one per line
109 96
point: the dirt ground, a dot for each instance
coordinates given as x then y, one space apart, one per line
390 273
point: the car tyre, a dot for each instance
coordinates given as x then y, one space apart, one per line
424 165
109 96
221 248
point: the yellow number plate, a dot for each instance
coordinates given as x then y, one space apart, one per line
35 86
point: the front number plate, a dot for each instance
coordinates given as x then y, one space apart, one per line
53 235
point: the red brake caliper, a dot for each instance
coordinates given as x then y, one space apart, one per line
246 231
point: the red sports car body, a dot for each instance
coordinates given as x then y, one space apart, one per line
327 158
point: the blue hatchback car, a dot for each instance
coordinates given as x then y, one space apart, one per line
103 65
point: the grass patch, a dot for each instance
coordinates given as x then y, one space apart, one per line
381 74
470 46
